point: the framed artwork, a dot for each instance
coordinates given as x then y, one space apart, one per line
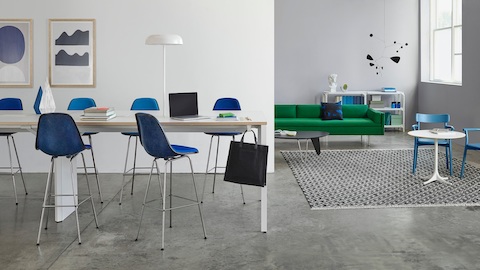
16 53
72 52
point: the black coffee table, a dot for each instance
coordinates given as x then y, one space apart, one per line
314 136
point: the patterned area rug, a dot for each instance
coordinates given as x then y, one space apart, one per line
338 179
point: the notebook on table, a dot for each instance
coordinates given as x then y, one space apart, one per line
184 106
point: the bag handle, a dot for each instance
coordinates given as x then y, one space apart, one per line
254 136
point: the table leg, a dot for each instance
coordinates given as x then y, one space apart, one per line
305 154
436 176
262 130
316 145
263 206
63 185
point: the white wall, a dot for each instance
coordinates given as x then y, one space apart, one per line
316 38
228 51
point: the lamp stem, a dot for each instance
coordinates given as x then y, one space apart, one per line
164 109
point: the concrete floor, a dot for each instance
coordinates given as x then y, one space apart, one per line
297 238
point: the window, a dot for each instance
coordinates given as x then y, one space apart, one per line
444 41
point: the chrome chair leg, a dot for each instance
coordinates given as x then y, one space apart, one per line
19 168
125 170
216 162
90 194
134 163
11 170
207 169
159 181
49 199
163 203
49 177
145 199
19 165
95 169
241 190
75 197
196 196
171 203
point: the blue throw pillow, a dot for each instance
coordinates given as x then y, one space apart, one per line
332 111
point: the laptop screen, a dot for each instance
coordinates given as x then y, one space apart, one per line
182 104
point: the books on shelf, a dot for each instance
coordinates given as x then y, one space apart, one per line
377 104
352 100
98 113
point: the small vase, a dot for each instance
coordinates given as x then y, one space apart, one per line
36 104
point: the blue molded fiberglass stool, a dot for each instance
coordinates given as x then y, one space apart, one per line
58 136
468 146
81 104
222 104
12 104
139 104
156 144
442 119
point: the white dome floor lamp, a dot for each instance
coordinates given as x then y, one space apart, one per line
164 39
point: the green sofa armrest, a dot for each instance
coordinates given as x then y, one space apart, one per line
377 117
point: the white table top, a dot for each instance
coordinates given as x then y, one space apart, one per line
16 121
426 133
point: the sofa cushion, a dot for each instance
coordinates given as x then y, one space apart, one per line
285 111
309 123
355 111
308 111
332 111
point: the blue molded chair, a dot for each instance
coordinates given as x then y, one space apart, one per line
12 104
58 136
156 144
139 104
468 146
222 104
442 119
80 104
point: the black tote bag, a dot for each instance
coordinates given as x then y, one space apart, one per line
247 163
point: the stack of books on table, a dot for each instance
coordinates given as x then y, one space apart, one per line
227 117
98 113
285 132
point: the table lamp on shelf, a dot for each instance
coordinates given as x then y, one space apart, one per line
164 39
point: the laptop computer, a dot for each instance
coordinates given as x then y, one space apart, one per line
184 106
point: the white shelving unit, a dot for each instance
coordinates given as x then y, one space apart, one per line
327 94
387 97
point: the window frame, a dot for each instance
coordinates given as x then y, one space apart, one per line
428 31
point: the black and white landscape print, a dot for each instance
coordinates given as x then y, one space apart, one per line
72 52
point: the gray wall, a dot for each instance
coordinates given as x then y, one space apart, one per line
461 102
316 38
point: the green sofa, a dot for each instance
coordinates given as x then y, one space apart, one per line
358 119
